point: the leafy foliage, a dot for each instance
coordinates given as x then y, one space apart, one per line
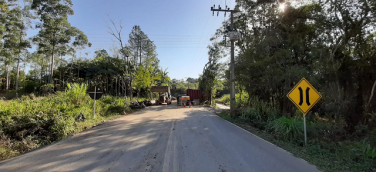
225 99
288 128
76 93
208 80
26 124
55 31
331 43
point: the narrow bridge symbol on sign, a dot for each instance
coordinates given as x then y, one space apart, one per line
304 96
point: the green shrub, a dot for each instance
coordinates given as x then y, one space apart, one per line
28 124
76 93
372 138
225 99
47 88
368 150
6 150
287 128
32 96
361 130
259 113
242 99
370 119
25 98
114 109
251 114
226 115
63 127
29 87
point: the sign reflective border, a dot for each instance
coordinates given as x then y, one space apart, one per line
304 96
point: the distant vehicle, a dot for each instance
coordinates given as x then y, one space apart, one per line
195 95
184 100
173 98
164 94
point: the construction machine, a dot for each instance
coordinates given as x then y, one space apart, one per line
164 94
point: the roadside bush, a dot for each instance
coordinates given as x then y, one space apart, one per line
252 115
326 131
259 114
7 94
226 115
32 96
25 98
369 151
115 104
288 129
47 88
27 124
76 93
242 99
225 99
62 127
372 138
370 120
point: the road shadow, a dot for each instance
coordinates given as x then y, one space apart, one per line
112 144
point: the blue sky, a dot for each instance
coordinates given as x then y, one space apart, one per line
181 29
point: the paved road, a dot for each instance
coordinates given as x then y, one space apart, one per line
162 139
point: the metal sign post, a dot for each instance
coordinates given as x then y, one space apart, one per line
95 94
305 131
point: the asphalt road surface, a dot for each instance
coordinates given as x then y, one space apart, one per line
162 139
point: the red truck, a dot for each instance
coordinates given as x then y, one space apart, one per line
194 95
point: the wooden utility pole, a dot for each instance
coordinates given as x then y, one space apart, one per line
232 73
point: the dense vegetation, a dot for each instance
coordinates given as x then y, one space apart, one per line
39 106
332 43
29 121
55 61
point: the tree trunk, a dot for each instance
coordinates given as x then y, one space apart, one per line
52 65
41 73
131 88
18 75
139 40
61 58
24 70
140 55
151 93
371 96
116 86
107 84
119 87
125 89
7 82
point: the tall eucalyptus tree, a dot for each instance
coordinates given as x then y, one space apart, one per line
55 29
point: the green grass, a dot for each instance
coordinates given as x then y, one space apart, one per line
327 156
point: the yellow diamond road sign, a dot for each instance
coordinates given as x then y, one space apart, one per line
304 96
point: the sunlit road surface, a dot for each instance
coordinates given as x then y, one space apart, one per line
161 138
